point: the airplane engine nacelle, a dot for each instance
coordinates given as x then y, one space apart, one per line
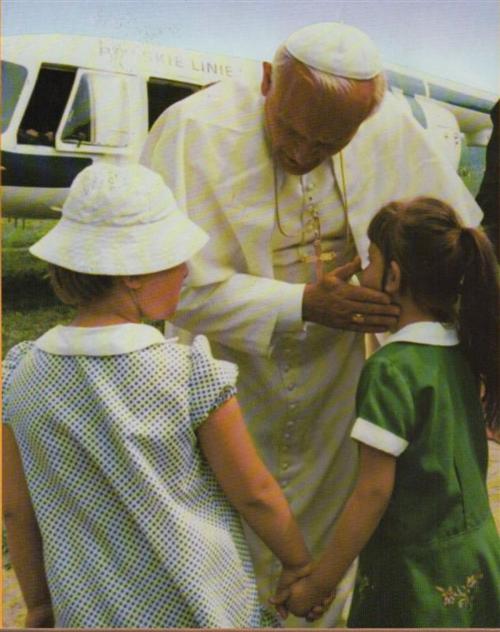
440 124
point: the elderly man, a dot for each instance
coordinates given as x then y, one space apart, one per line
285 181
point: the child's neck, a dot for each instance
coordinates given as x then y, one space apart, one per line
113 310
95 320
411 313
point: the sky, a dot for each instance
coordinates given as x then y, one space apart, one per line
457 40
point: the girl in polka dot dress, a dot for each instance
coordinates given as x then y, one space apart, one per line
126 457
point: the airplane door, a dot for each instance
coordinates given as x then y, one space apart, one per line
97 117
440 125
444 130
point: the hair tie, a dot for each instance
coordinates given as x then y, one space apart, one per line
465 235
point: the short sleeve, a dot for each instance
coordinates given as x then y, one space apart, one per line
212 382
9 365
384 408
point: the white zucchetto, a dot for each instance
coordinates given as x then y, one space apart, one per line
336 48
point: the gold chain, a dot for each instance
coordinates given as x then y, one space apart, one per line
319 256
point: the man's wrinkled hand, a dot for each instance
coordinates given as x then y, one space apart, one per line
336 303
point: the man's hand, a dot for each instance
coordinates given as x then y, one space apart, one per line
334 302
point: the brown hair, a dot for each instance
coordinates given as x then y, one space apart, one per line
449 270
78 288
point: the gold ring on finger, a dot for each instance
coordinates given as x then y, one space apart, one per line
358 318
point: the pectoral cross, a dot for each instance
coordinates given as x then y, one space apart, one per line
319 257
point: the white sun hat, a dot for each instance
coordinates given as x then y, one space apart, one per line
120 220
336 48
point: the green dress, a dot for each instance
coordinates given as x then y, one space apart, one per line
434 559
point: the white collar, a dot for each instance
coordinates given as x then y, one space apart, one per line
99 341
425 333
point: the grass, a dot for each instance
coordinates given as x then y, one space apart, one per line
471 167
19 263
29 306
20 325
23 233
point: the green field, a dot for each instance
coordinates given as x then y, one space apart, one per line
29 307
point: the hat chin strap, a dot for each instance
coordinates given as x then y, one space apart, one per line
133 298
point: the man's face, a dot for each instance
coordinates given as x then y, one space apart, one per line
305 127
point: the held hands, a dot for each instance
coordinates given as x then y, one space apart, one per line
289 575
334 302
299 593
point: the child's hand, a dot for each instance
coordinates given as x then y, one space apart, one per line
288 576
308 598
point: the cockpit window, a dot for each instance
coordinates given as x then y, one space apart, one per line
13 78
46 106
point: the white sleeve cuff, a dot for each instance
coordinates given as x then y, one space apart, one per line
377 437
289 317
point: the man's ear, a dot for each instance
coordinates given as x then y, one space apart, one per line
265 84
393 278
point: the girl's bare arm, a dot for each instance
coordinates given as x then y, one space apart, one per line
249 486
23 536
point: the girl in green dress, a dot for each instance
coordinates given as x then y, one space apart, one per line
419 516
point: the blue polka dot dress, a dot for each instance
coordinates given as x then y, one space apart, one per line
136 531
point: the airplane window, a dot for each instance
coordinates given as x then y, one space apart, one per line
46 106
162 94
77 127
13 78
99 113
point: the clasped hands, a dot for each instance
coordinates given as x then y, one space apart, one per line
303 593
334 302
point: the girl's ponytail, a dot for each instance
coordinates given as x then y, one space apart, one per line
478 316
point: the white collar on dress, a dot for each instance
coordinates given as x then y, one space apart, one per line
99 341
425 333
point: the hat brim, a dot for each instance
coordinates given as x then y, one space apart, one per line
111 250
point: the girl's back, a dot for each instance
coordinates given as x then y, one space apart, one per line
430 401
434 559
107 431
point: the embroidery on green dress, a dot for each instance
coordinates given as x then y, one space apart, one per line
463 595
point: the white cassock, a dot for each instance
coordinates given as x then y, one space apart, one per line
244 291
